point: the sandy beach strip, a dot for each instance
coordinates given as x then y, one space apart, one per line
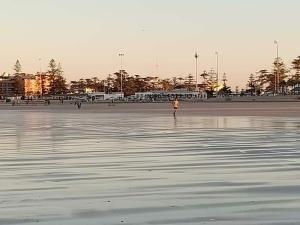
271 109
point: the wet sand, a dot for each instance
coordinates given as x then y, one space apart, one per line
113 165
273 109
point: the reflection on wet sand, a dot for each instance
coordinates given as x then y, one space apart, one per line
64 168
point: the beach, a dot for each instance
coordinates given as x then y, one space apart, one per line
149 112
276 109
214 163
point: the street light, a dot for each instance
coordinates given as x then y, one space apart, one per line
217 69
41 85
276 85
121 71
196 57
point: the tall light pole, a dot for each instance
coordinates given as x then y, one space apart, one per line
277 65
196 75
41 82
217 69
224 79
121 71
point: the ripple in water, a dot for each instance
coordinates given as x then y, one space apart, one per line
59 168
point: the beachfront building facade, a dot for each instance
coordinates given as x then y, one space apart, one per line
7 86
80 87
27 85
169 95
23 84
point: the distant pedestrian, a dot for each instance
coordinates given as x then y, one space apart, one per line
175 106
79 105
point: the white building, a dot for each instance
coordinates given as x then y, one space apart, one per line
102 96
163 95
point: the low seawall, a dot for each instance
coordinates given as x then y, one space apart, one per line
286 98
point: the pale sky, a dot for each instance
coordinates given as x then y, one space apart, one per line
87 35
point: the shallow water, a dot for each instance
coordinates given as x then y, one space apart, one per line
89 168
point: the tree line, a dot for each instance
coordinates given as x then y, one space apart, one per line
280 80
133 83
51 82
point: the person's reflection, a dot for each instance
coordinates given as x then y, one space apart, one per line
175 122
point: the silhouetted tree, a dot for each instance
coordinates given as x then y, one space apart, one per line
252 84
225 90
19 85
57 81
189 82
166 85
295 78
279 69
266 80
18 67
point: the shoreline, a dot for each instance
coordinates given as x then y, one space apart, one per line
272 109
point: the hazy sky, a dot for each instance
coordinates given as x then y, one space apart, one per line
87 35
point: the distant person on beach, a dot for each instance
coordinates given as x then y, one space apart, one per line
78 104
175 106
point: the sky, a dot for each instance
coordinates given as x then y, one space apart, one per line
157 37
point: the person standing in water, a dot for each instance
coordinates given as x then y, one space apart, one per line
175 106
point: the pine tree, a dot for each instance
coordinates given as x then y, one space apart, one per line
252 84
296 68
189 83
57 81
279 75
18 67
